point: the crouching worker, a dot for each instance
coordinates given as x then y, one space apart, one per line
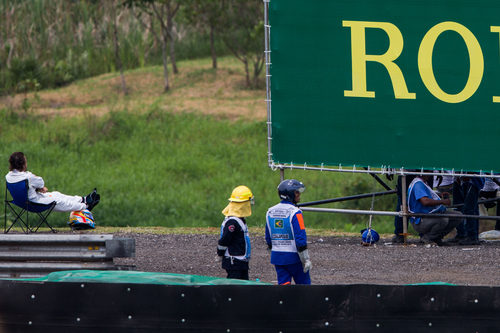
286 236
234 242
37 192
422 199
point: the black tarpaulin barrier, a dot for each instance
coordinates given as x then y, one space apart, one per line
35 306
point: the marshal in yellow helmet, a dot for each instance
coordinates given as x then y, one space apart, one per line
240 202
241 194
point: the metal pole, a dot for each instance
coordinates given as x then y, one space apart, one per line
404 207
480 217
350 211
478 202
352 197
380 181
385 213
267 53
5 211
382 170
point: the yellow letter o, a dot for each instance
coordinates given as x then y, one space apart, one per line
425 62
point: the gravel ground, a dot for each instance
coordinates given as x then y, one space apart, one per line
336 260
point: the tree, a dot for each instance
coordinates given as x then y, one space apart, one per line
7 33
206 14
164 12
241 29
118 59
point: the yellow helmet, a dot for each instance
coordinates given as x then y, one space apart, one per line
241 194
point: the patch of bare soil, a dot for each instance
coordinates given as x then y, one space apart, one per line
336 260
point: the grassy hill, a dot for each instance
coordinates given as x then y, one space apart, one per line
197 88
169 159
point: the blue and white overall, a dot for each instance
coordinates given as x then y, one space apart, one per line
286 236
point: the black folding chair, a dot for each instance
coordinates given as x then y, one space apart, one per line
19 193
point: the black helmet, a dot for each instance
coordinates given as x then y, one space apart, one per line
287 188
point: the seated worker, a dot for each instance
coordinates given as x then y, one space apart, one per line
37 192
422 199
234 243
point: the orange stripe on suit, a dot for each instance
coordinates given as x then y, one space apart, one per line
301 221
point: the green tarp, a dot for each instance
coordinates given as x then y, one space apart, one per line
386 83
154 278
138 277
437 283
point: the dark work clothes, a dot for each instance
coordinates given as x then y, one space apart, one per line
241 274
234 247
233 238
467 193
236 264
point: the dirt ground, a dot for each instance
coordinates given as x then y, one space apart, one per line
336 260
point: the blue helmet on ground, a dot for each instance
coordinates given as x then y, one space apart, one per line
369 236
288 187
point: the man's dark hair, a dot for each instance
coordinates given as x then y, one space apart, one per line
17 161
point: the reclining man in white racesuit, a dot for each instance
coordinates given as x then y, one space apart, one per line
38 193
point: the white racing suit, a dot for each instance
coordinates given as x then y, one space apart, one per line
64 203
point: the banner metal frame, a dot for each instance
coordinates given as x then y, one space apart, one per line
382 170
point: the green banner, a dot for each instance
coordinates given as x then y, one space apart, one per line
405 84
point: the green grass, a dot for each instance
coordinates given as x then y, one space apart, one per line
170 170
155 167
254 231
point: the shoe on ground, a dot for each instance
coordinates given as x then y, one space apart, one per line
398 239
469 241
439 242
435 241
455 239
425 240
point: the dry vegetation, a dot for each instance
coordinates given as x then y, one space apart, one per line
197 88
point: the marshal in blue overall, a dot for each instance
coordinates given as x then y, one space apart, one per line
286 235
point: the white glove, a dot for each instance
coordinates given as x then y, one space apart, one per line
306 260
